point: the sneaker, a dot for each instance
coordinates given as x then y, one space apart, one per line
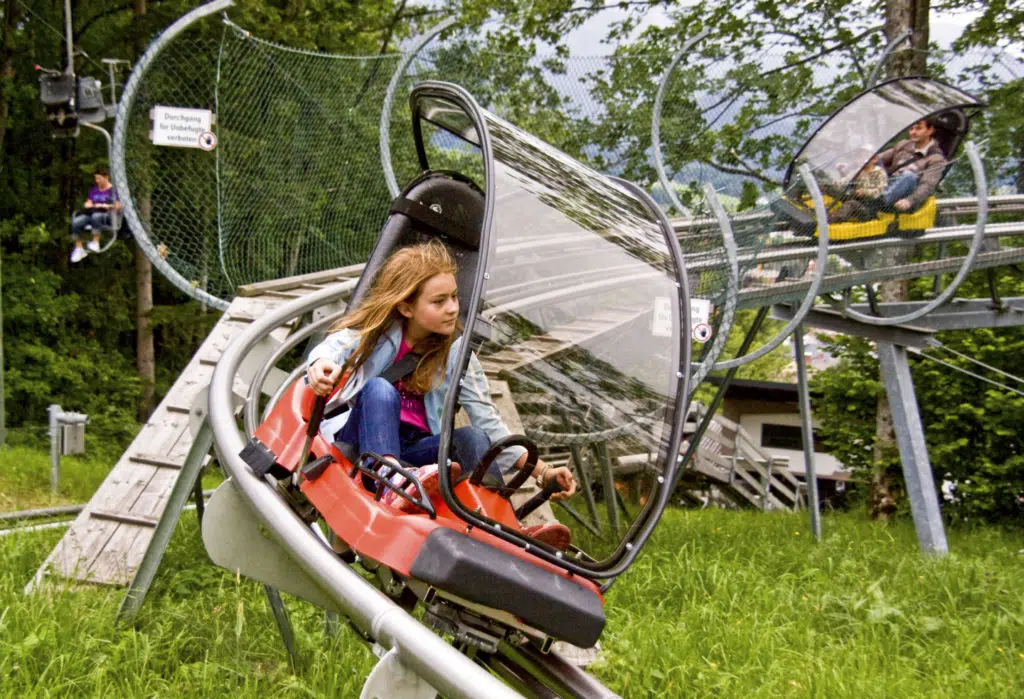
555 535
429 478
78 254
93 245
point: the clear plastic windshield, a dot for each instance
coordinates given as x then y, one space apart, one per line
579 325
844 144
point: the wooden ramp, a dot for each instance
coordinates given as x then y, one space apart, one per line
108 541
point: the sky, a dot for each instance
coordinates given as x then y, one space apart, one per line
585 41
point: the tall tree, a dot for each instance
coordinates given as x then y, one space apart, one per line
900 16
12 15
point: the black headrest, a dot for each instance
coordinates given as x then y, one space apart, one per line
441 205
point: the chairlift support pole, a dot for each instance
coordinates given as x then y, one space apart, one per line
69 39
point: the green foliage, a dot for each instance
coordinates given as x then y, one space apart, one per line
972 428
844 400
69 330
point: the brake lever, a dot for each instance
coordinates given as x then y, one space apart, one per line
550 488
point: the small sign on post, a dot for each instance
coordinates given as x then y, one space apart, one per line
67 436
182 127
700 312
72 439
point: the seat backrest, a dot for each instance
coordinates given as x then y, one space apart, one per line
950 129
443 205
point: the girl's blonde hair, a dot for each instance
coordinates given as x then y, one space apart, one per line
401 278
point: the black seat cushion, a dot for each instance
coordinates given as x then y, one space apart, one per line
463 566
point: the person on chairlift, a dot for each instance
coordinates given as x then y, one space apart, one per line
413 307
99 204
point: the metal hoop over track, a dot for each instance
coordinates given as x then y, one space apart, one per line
708 363
389 98
821 213
117 164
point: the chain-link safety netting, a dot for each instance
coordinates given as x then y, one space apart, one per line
295 184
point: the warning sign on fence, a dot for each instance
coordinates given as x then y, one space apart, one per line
181 127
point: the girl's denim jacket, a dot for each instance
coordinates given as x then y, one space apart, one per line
474 394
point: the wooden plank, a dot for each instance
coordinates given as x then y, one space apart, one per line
120 558
325 277
122 552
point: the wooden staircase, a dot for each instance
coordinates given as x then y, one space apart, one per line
730 460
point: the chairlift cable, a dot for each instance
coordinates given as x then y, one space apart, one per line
980 363
55 30
965 371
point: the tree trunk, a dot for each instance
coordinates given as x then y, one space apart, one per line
144 350
900 15
145 353
11 19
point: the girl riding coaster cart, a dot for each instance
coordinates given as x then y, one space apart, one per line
572 291
844 152
413 310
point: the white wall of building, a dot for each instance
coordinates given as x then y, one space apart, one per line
824 464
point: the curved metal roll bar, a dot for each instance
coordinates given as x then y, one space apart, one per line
707 365
446 669
821 213
389 97
117 160
981 186
256 385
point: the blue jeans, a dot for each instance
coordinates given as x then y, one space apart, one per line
900 187
95 221
374 425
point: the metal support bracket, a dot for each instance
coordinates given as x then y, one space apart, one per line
235 540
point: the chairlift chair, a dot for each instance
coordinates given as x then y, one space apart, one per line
845 143
572 290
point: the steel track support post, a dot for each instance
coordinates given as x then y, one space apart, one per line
54 433
585 483
807 429
284 624
608 484
197 496
188 477
332 624
917 469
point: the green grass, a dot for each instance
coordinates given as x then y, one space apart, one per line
25 478
722 604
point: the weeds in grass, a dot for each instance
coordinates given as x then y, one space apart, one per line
720 603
